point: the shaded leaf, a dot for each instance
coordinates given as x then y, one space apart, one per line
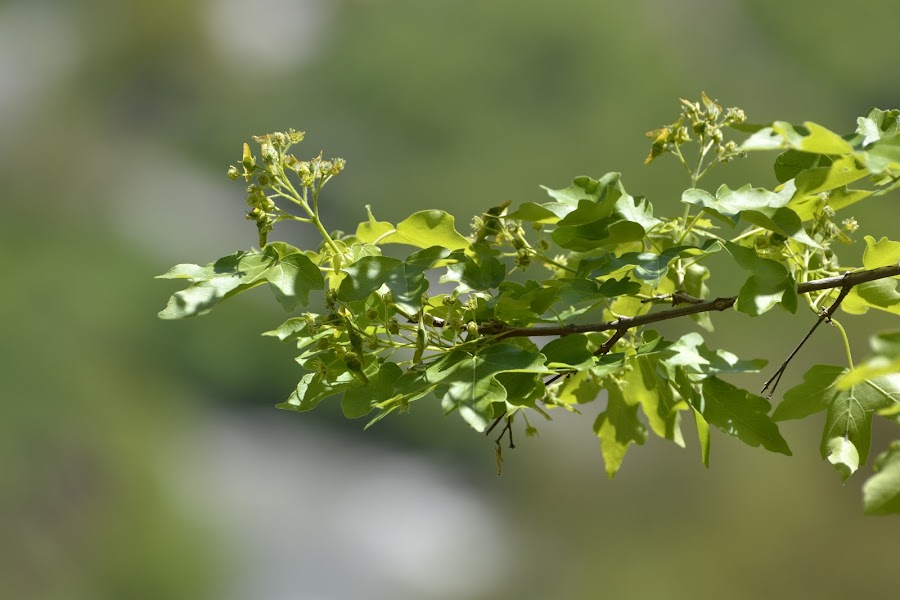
466 381
881 492
769 284
740 414
755 205
849 411
360 400
405 279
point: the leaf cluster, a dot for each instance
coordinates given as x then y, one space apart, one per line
591 268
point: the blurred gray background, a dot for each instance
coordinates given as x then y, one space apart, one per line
143 459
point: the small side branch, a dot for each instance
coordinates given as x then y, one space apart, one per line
824 315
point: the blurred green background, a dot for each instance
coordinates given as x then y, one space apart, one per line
144 459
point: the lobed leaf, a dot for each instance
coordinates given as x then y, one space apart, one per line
291 275
466 380
769 284
849 411
739 413
618 427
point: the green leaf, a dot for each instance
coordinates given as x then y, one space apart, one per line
428 228
638 210
580 388
313 388
360 400
602 233
878 124
755 205
882 156
291 275
466 381
406 280
703 436
645 385
569 351
812 137
603 215
371 231
522 389
886 360
790 163
841 452
769 284
618 427
839 198
839 173
645 266
691 356
481 272
881 492
695 284
881 293
849 411
740 414
292 326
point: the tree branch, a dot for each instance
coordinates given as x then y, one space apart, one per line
846 281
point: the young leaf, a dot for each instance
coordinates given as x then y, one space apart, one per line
849 411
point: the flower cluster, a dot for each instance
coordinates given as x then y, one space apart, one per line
268 178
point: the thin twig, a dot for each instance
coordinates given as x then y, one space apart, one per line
824 315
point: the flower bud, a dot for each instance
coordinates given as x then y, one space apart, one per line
247 158
351 359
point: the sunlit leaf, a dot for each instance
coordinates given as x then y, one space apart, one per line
291 275
427 228
618 427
